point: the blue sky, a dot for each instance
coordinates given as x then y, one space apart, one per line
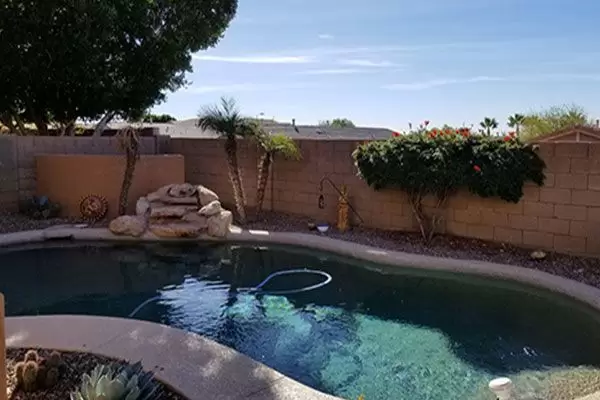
387 62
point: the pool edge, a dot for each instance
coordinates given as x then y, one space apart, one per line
188 363
568 287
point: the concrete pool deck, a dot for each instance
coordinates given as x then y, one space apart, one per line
200 368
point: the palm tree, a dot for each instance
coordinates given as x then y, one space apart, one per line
226 120
488 124
271 145
516 121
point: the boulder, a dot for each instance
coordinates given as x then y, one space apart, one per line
128 225
212 208
199 220
175 230
181 190
206 195
218 225
170 211
142 207
160 193
192 201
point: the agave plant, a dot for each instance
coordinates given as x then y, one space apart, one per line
115 382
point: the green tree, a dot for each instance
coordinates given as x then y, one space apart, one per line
337 123
226 120
516 121
488 124
159 119
271 146
553 119
64 60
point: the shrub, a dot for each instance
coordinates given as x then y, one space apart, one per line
39 208
438 162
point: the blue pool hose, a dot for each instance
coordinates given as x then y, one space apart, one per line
258 288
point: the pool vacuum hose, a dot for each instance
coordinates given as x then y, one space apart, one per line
259 288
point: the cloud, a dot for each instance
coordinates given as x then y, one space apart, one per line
367 63
542 77
325 36
422 85
256 59
245 87
333 71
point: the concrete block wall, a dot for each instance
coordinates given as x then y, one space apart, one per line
17 159
563 216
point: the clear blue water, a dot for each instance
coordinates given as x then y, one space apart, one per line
416 336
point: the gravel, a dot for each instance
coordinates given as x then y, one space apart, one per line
76 365
582 269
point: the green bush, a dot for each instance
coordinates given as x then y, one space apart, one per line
439 162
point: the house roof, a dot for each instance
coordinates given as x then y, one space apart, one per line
581 134
188 129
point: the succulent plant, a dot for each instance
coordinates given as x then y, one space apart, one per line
35 372
116 382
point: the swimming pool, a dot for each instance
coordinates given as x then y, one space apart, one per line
408 335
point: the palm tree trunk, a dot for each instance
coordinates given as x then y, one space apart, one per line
234 177
264 166
131 160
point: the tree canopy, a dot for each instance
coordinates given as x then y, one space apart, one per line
553 119
69 59
337 123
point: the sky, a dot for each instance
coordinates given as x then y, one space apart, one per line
385 63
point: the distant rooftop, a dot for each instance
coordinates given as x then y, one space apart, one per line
188 129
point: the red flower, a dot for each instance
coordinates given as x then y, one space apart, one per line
477 168
395 134
426 122
507 138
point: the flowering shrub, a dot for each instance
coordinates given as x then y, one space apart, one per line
438 161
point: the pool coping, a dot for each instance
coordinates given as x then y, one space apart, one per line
179 375
390 259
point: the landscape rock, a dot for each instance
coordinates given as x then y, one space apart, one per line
175 230
218 225
205 195
181 190
170 211
199 220
142 207
212 208
179 200
159 194
128 225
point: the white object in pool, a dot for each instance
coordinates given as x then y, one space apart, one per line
322 228
502 388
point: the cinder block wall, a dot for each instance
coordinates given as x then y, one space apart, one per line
17 159
564 215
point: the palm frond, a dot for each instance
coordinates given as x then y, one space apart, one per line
225 119
279 144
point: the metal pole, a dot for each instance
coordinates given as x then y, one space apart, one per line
3 393
502 388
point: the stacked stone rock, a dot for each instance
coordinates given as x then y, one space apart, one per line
178 210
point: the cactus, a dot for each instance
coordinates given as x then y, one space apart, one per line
111 382
31 355
30 376
35 372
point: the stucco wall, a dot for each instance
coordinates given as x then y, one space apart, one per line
564 215
68 178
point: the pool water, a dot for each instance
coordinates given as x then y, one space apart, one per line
409 335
